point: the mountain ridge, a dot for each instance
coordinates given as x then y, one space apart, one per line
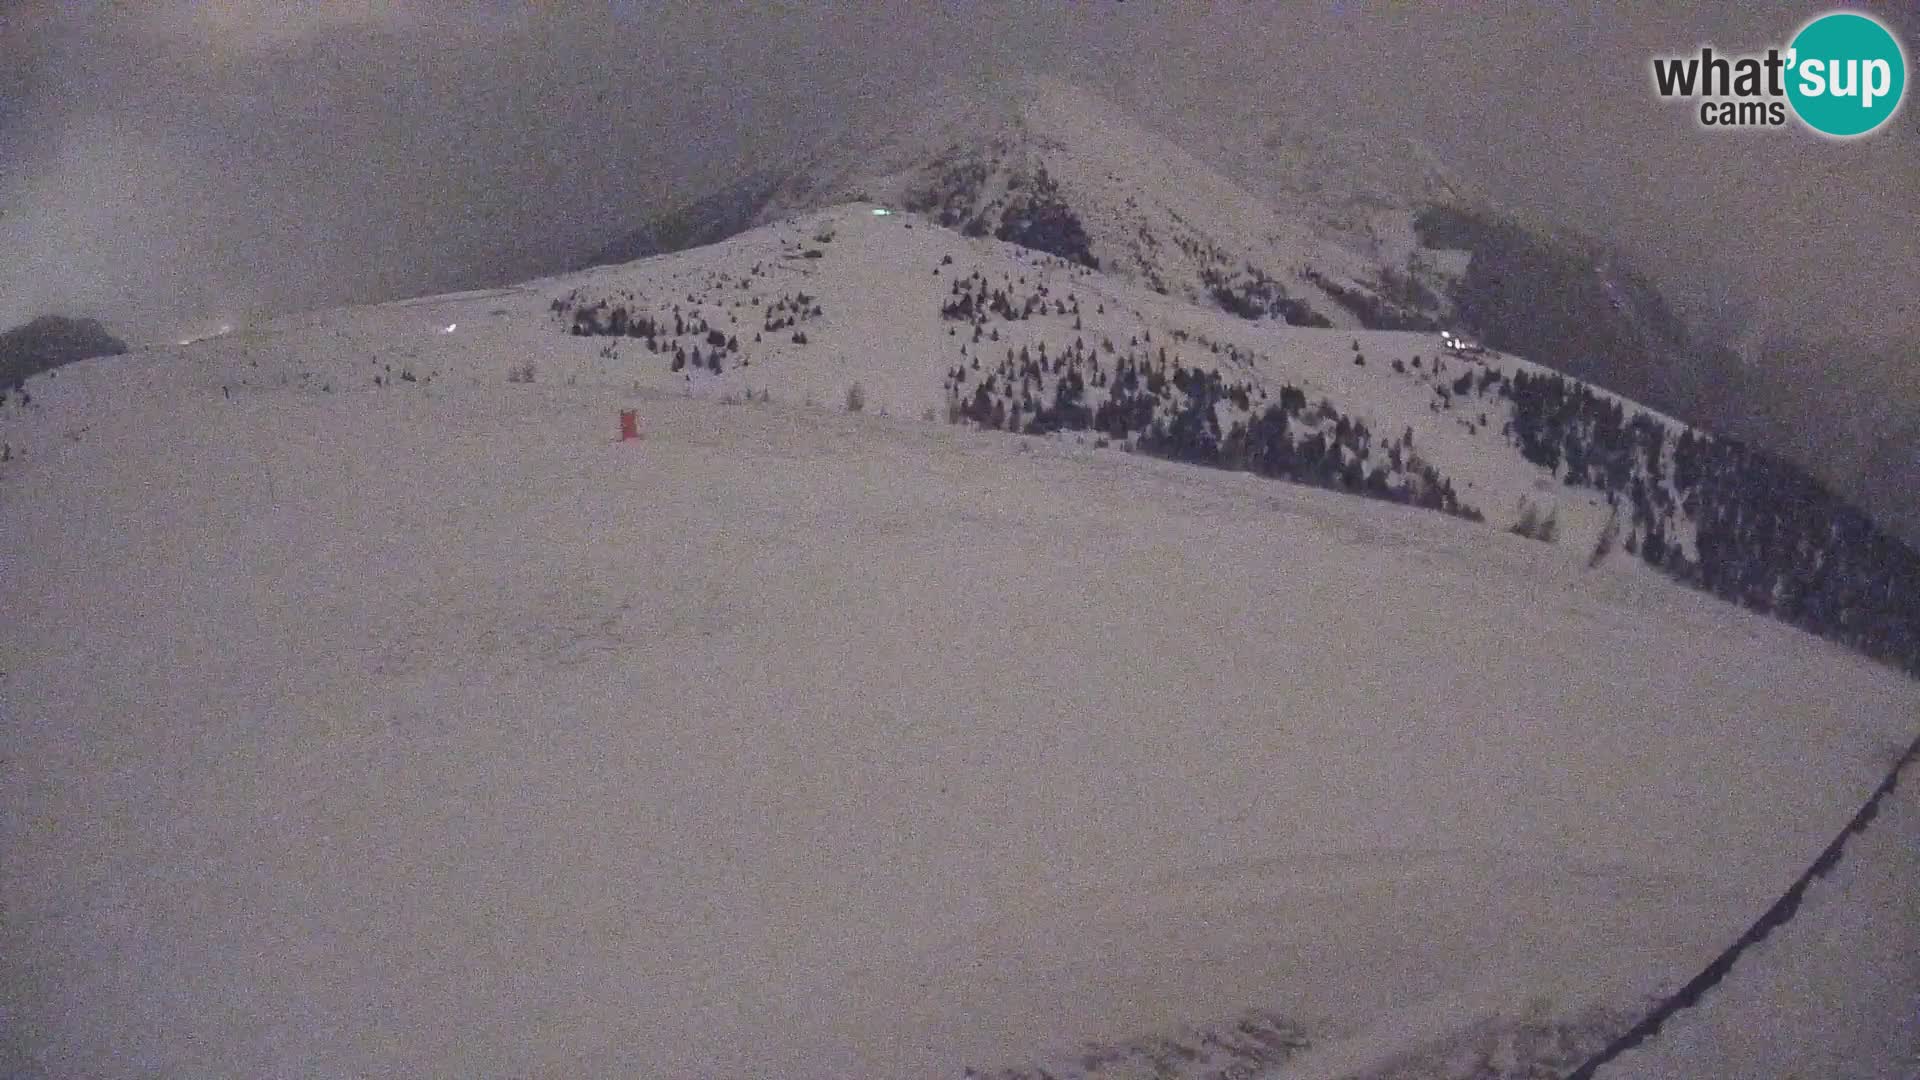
912 318
1312 227
1104 190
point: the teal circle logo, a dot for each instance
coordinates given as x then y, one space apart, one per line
1846 74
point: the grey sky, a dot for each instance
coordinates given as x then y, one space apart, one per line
171 163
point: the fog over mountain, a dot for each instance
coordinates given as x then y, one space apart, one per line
232 154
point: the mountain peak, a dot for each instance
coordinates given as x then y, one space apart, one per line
1060 167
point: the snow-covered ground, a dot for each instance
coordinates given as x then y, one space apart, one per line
1835 992
426 730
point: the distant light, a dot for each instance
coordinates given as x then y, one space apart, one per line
881 211
197 339
451 327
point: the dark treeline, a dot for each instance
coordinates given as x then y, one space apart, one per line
1380 312
1034 216
1043 221
1255 295
1161 407
704 346
1769 536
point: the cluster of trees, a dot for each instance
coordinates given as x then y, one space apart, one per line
1771 538
971 300
1563 300
790 311
1588 440
1374 312
1768 535
1162 407
1561 424
1341 457
707 347
1013 395
601 320
1034 215
1254 295
608 317
949 199
1407 290
717 352
1040 219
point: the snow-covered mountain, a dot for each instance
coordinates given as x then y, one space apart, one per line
998 649
1052 166
933 323
1305 225
930 322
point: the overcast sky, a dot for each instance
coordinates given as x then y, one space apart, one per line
165 165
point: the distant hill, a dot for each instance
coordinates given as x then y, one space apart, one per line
50 341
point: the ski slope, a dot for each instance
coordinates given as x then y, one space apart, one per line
1835 993
424 729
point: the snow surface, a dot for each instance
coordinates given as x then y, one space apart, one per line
1834 993
422 728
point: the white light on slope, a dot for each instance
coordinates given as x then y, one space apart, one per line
451 327
225 328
